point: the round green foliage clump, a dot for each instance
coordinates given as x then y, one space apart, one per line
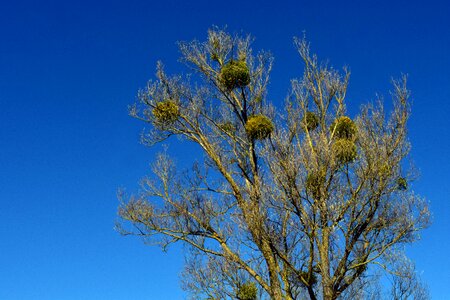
310 121
166 112
259 127
402 184
235 74
314 180
344 128
344 151
247 291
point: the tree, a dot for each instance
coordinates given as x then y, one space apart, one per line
294 203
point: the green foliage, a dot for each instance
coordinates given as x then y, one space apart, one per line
247 291
235 74
166 112
344 128
259 127
314 180
402 184
344 151
310 121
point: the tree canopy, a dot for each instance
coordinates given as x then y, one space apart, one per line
296 202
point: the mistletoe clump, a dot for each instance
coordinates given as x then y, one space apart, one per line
344 151
259 127
166 112
310 121
344 147
247 291
314 180
343 128
235 74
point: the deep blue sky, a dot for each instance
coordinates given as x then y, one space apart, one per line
68 70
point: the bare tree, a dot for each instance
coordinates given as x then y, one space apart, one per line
296 203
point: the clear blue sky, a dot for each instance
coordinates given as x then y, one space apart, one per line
68 70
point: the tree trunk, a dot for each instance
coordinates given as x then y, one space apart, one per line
272 266
327 285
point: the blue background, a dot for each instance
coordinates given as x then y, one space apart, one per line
68 70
